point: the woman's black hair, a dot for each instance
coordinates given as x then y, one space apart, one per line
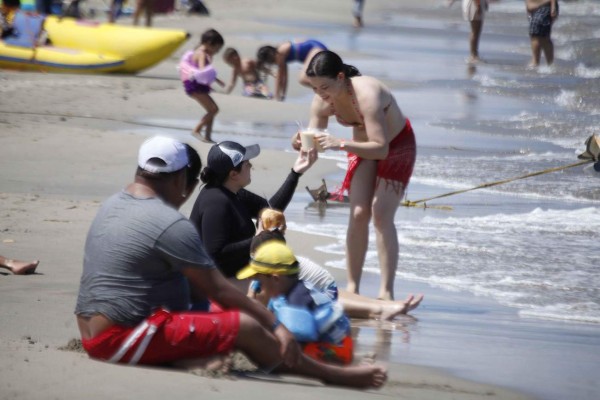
327 64
265 56
211 177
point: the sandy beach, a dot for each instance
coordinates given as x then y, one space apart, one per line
70 141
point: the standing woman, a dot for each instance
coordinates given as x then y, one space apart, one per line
301 51
381 157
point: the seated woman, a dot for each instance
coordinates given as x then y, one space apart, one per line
224 210
300 51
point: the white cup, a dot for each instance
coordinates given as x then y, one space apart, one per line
307 138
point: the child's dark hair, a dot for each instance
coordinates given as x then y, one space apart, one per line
265 236
212 37
230 52
327 64
266 55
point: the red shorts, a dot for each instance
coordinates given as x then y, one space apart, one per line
166 337
396 169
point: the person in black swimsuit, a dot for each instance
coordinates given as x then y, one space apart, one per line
224 210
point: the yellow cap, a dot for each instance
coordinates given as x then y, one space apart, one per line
271 258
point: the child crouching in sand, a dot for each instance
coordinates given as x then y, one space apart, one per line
197 74
245 68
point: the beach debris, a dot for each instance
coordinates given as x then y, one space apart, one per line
592 151
320 194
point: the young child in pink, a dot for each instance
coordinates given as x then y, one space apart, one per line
197 74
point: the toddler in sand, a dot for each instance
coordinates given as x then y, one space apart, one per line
197 74
245 68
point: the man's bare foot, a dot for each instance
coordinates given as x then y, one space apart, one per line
473 60
19 267
360 376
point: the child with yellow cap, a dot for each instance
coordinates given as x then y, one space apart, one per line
317 322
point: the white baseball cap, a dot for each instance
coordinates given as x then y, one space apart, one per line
162 154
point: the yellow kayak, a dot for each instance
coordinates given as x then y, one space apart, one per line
55 59
92 47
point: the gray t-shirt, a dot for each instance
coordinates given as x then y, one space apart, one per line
134 253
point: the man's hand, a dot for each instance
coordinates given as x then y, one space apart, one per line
289 348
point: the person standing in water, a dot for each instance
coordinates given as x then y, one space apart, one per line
381 157
542 14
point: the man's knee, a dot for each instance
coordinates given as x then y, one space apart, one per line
252 334
249 326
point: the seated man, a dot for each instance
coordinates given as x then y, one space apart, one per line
141 257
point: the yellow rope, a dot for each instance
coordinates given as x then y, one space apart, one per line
408 203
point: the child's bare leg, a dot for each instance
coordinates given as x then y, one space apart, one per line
207 120
263 348
18 267
358 306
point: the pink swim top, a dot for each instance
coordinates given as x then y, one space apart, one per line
189 71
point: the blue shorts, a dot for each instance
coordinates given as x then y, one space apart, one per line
540 21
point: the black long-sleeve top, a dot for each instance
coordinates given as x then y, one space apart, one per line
224 221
